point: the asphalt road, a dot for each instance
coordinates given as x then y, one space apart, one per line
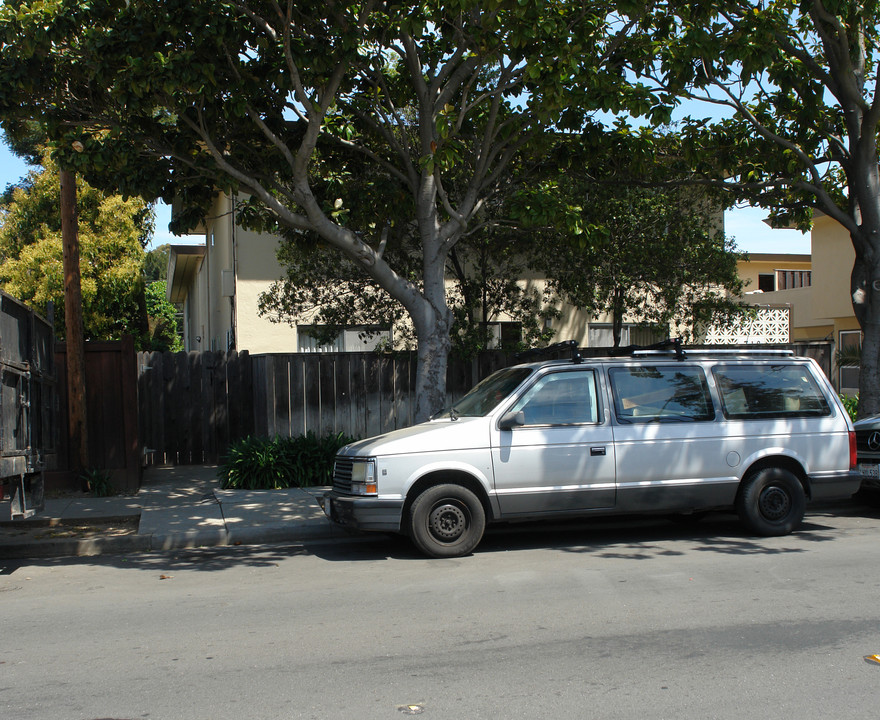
604 620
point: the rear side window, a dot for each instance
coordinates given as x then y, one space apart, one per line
767 391
661 394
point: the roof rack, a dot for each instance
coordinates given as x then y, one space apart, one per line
552 350
744 351
664 347
673 346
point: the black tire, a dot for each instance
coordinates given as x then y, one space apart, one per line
771 502
447 521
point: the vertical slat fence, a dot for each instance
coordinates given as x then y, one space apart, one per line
192 406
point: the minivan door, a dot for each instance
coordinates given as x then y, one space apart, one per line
671 452
559 456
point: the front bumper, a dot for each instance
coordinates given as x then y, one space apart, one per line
837 486
363 513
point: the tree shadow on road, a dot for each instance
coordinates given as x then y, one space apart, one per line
628 538
209 559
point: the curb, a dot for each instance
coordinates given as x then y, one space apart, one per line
163 542
76 548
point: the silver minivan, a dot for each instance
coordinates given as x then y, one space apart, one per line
652 432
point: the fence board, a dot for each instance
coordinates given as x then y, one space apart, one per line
218 440
282 397
344 408
295 395
311 387
374 398
327 383
261 395
402 408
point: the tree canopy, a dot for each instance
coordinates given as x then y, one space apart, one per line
184 98
111 234
798 82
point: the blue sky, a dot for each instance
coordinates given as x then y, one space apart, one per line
745 225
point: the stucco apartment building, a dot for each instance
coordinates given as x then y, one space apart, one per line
814 289
219 284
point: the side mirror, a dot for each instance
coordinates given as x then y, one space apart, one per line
512 419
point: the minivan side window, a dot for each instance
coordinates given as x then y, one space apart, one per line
561 398
765 391
651 393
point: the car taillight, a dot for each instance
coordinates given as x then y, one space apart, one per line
853 454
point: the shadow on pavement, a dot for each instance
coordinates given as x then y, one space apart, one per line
628 538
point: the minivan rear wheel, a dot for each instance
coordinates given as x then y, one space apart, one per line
772 502
447 521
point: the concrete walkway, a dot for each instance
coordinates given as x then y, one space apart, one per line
176 507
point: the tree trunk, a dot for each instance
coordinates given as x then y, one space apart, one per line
617 316
433 355
76 375
432 321
865 288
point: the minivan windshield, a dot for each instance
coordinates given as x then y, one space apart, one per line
485 396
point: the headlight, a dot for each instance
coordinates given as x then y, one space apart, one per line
363 477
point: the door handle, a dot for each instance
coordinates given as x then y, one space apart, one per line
597 451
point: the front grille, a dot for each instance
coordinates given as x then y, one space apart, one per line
342 474
863 444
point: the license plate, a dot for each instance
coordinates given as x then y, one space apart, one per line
871 470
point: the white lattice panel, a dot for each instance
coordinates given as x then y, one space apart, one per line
770 325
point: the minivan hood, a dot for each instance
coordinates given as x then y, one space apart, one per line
466 433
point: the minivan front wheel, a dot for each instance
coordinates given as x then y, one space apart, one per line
447 521
772 502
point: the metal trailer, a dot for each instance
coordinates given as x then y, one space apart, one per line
28 413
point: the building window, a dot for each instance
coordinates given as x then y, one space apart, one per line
766 282
603 335
599 335
790 279
503 335
849 350
356 338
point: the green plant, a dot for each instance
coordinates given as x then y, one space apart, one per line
851 404
97 482
260 463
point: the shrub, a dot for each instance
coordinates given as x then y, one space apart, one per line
97 482
262 464
851 404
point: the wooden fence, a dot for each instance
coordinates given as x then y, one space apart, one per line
111 402
193 405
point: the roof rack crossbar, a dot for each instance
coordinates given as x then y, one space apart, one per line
554 349
780 352
664 347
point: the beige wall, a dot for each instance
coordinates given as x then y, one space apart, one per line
256 268
822 310
833 256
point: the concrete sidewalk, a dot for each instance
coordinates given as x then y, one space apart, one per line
176 507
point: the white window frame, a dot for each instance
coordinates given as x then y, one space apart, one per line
348 340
